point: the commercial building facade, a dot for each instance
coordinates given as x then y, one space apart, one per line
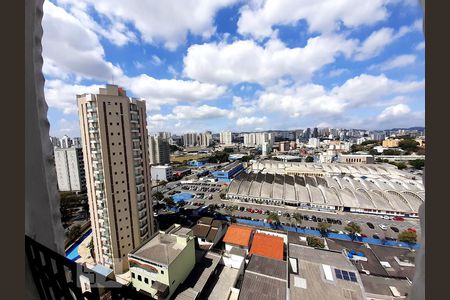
114 134
162 173
70 169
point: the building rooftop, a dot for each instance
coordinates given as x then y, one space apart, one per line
388 194
268 246
205 220
163 247
398 262
197 279
238 235
264 279
322 274
372 264
383 285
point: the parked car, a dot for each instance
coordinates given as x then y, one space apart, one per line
370 225
398 219
394 229
363 235
411 229
339 222
383 227
375 236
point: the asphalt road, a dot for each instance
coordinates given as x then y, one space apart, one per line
344 217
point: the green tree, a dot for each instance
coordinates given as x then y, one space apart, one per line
169 201
297 217
228 150
222 196
73 232
91 247
373 152
323 227
401 165
408 145
391 152
407 236
309 159
274 217
352 229
369 142
417 163
158 196
314 242
181 203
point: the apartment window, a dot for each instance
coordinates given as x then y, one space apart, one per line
146 280
162 272
139 278
132 275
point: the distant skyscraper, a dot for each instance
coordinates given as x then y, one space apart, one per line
115 146
65 142
76 142
204 139
55 142
70 169
315 133
307 133
159 150
189 139
165 135
225 138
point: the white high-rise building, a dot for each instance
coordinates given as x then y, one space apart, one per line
314 142
70 169
189 139
257 139
159 150
204 139
115 147
65 142
226 138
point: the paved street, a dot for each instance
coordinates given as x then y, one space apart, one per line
344 217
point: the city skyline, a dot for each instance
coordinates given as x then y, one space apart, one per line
238 66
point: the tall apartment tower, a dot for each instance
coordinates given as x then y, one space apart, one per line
226 138
70 169
159 150
114 137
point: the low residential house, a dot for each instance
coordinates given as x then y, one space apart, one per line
209 232
238 236
267 246
161 264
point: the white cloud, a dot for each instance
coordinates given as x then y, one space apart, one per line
246 61
186 115
167 22
156 60
250 121
394 111
138 65
396 62
258 17
158 92
172 71
69 48
375 43
420 46
378 40
337 72
315 100
61 95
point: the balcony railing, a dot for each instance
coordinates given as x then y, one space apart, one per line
57 277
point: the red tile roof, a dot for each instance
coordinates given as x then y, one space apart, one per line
238 235
268 246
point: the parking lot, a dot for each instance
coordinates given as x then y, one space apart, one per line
208 193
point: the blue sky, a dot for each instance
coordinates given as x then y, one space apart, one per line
240 65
